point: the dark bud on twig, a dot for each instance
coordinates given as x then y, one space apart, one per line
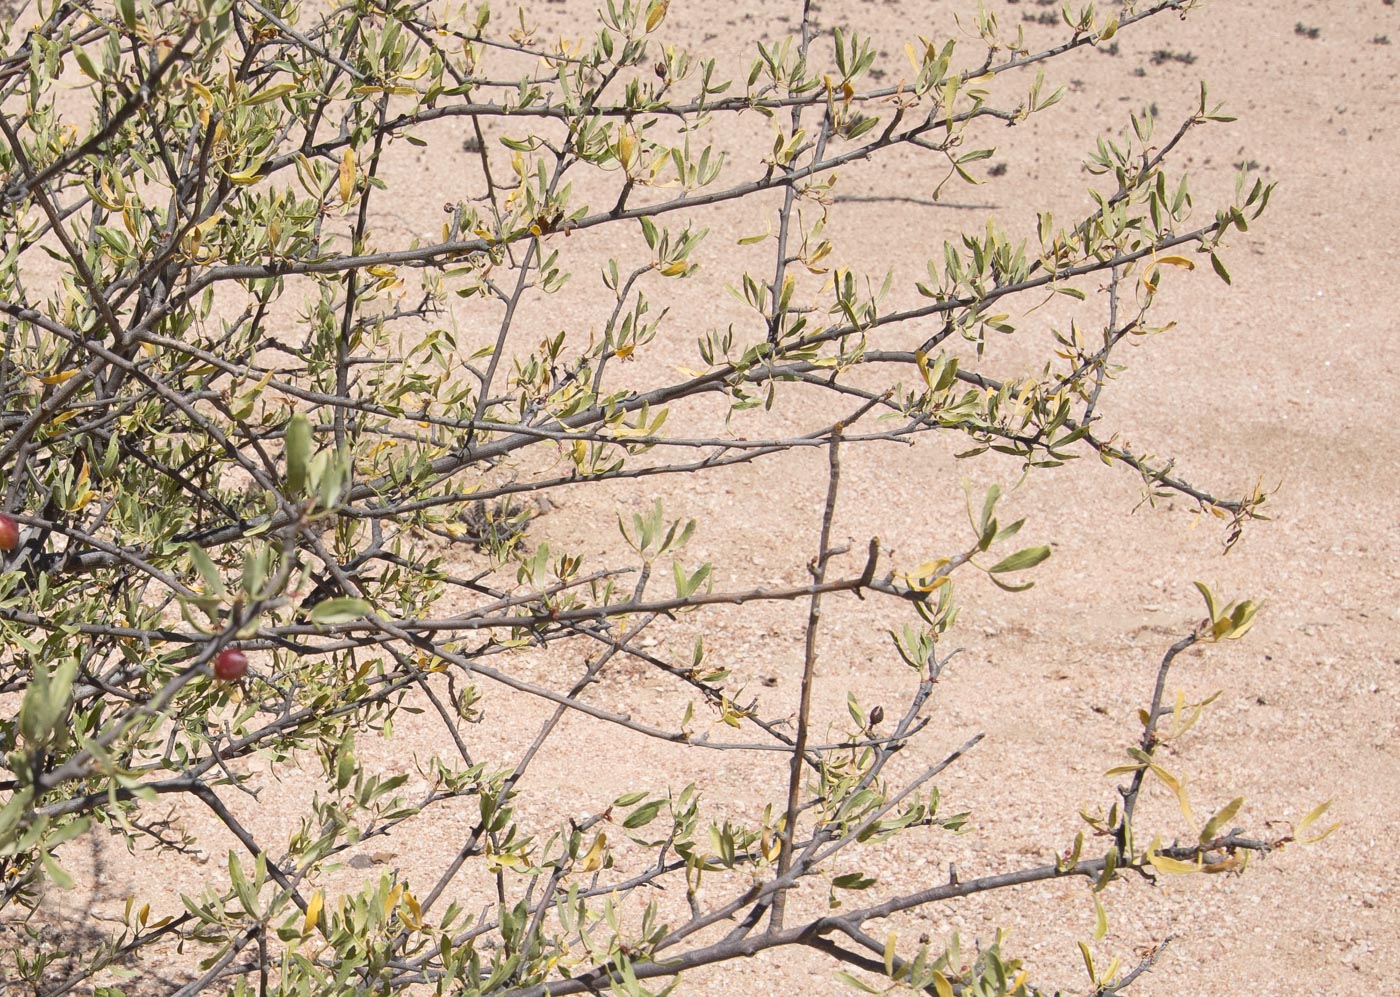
876 715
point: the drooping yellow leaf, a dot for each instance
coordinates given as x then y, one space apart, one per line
1178 788
417 72
60 377
347 174
313 912
592 860
413 917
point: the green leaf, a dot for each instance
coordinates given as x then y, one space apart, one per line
1221 818
213 581
860 985
643 815
85 63
270 94
853 881
1021 560
340 610
298 452
1209 598
56 872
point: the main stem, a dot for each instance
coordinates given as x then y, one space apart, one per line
809 668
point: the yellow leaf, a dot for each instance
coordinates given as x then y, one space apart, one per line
60 377
1088 961
414 916
623 352
382 271
513 862
592 860
926 577
1178 789
656 13
272 93
249 176
203 92
417 72
1171 866
626 146
1310 819
941 985
313 912
1177 261
771 845
347 174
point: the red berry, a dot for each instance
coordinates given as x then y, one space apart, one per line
9 532
230 665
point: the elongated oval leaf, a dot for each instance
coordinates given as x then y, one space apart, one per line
341 610
298 452
1021 560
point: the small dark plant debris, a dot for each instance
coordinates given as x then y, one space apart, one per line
1165 55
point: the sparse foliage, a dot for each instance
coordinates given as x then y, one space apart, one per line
280 472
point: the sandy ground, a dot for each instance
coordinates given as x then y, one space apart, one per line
1289 377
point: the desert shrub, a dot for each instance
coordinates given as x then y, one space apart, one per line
292 467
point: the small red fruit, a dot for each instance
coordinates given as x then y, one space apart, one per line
230 665
9 532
